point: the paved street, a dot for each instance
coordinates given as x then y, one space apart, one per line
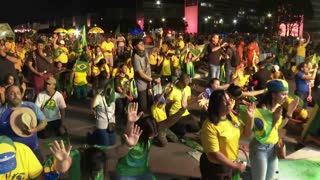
171 162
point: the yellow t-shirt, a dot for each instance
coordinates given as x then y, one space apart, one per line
153 59
301 51
107 46
80 78
176 97
130 72
63 57
166 67
114 72
242 79
164 48
223 137
274 136
181 44
175 62
159 113
28 166
105 68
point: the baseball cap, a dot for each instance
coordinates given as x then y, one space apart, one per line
161 100
277 85
8 160
51 80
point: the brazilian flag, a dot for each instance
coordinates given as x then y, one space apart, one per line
110 93
222 75
82 66
313 125
262 123
133 88
57 52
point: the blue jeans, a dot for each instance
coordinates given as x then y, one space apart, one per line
214 71
102 137
299 59
263 160
229 72
146 176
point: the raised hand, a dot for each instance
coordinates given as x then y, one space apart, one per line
132 137
203 103
251 110
276 115
133 115
59 151
292 106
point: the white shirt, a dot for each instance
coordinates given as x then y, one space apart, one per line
52 109
102 116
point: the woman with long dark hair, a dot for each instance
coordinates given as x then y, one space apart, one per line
262 155
220 135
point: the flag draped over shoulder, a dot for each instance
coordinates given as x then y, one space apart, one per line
110 93
82 66
133 88
262 123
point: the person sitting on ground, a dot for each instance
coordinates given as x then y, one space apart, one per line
158 110
104 112
135 165
188 122
52 104
21 120
93 159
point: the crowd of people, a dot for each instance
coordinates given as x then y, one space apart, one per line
141 91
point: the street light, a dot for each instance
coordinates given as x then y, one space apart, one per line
206 20
184 18
150 21
158 2
163 19
221 21
234 21
269 15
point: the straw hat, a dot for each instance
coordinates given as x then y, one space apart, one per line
21 120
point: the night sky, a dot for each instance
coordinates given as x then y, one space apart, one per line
15 12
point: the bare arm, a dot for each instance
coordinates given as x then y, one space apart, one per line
41 125
32 69
253 93
249 124
308 40
312 77
131 137
12 59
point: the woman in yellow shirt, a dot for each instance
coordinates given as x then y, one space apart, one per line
220 135
263 157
